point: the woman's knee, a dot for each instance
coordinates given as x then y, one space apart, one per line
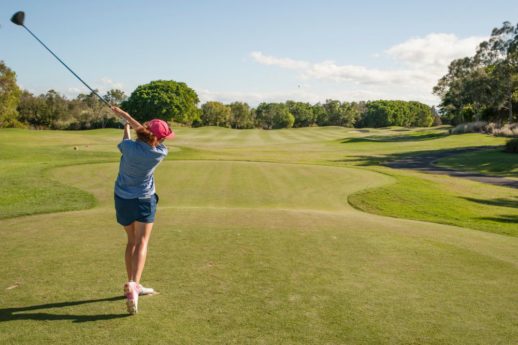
141 242
142 232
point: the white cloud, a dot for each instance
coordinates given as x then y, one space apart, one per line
361 74
434 51
311 96
72 92
252 98
103 85
421 62
329 70
281 62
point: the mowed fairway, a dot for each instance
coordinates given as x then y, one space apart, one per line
255 243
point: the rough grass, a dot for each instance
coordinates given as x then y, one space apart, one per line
256 243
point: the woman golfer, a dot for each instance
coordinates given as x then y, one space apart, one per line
135 197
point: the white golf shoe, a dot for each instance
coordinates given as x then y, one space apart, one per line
142 290
131 293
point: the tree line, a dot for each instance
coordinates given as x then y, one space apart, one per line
381 113
176 102
484 86
54 111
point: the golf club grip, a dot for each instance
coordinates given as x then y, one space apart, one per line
64 64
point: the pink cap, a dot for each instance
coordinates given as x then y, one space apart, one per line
160 129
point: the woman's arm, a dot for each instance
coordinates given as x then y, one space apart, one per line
127 131
131 121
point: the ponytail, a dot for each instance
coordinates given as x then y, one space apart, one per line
146 136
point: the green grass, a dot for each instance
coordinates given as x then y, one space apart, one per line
490 162
256 242
444 200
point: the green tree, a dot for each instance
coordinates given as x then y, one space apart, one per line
485 85
56 109
273 116
451 89
437 121
500 53
115 96
282 118
32 109
302 112
9 97
349 114
320 114
241 115
422 114
338 114
385 113
358 110
164 99
376 115
215 114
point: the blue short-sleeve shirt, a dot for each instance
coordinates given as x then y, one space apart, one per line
137 165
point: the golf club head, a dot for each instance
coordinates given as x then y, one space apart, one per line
18 18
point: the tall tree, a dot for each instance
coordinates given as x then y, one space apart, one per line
56 109
115 96
165 99
241 115
32 109
500 53
99 114
9 97
420 114
215 114
485 84
274 116
302 112
451 89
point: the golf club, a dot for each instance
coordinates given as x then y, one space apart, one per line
18 19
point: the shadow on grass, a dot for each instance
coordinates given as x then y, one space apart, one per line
395 138
513 203
412 159
423 161
505 218
13 314
360 131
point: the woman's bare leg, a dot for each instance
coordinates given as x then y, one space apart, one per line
138 260
130 248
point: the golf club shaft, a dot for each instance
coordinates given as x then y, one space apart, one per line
64 64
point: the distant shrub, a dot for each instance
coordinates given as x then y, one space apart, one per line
508 130
470 127
512 146
491 127
436 121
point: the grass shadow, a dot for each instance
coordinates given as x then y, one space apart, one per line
513 203
13 314
395 138
360 131
505 218
410 159
423 161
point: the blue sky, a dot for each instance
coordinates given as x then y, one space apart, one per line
248 50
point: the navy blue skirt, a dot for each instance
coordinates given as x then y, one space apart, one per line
140 209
